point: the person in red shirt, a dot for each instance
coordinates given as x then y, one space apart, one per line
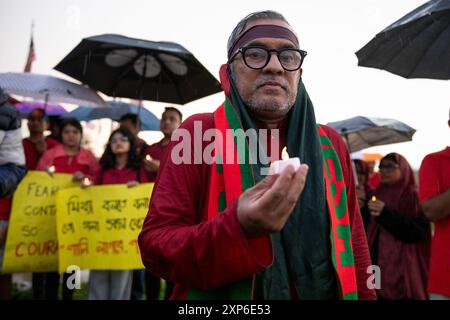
270 240
119 164
36 144
68 157
434 195
170 120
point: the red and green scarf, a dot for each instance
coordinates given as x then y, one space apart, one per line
315 244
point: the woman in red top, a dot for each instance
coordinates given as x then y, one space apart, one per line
68 157
120 164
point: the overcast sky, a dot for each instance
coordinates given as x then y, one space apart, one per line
331 32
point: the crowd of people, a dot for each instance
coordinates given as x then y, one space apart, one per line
227 231
127 159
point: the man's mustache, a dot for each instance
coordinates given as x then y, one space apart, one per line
278 81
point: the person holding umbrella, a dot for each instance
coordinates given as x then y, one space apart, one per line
398 232
68 157
434 194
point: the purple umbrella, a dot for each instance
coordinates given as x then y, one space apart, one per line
51 109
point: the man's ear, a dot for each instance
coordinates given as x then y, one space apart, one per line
448 123
300 72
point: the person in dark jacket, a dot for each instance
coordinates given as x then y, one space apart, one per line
12 171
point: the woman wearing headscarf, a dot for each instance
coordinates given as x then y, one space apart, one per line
398 232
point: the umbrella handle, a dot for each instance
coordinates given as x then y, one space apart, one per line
344 132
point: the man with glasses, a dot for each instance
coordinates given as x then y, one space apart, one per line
223 228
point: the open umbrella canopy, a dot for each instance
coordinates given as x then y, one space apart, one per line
364 132
49 89
416 46
149 122
51 109
139 69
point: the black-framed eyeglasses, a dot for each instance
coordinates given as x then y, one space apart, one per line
118 140
256 57
388 167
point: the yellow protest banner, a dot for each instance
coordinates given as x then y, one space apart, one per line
31 245
98 226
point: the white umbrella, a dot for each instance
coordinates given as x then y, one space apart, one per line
364 132
49 89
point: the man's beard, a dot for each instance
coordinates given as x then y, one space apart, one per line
269 104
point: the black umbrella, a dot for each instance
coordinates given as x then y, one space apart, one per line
416 46
364 132
139 69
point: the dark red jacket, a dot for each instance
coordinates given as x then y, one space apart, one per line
179 244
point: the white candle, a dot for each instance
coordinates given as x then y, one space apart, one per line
278 166
52 169
86 181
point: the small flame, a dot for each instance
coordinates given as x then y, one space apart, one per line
86 181
148 158
52 169
284 154
373 198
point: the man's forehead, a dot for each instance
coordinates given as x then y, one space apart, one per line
36 114
275 22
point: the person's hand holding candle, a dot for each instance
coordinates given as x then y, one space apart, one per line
375 206
85 182
150 164
278 166
51 170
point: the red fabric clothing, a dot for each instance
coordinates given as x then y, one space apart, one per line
156 151
84 161
141 146
404 266
5 208
32 156
434 177
374 180
179 244
120 176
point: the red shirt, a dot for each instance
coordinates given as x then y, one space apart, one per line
434 177
5 208
155 151
32 156
119 176
374 181
84 161
178 243
31 160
